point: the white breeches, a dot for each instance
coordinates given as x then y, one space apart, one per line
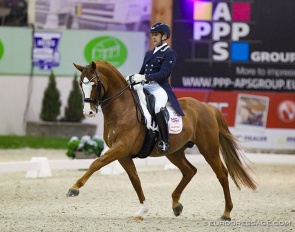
159 93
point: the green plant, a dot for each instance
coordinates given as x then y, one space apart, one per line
74 112
51 101
86 144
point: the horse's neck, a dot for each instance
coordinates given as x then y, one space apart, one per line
120 110
119 104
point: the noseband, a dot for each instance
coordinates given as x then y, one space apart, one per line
99 86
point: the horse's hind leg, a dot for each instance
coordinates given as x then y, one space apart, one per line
188 171
213 159
128 164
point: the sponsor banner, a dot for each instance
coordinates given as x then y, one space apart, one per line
261 120
58 50
45 51
15 50
270 139
234 45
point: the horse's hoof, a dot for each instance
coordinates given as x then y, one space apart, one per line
225 218
178 210
73 192
138 218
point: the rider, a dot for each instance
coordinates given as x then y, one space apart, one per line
155 71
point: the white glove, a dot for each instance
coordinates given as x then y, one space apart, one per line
127 78
138 78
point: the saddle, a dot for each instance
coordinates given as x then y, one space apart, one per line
145 103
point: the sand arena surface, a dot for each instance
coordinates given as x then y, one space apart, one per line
107 203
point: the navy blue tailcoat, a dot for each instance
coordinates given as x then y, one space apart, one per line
158 67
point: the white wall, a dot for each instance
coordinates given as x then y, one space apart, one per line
14 96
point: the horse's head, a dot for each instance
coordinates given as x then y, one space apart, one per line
92 87
101 84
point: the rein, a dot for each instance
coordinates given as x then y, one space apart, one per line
99 86
114 97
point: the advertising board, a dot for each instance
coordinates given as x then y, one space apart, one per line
59 49
234 45
240 57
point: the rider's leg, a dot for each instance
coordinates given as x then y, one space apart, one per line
163 146
161 101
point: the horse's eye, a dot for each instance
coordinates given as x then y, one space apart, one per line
94 86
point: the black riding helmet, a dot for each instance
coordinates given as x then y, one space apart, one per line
162 28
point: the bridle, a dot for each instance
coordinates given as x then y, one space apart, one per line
99 86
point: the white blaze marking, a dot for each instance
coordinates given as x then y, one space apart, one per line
87 87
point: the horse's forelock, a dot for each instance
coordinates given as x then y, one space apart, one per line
88 71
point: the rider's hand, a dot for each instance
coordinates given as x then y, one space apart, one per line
138 78
129 78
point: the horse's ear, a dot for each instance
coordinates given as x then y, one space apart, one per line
79 67
93 65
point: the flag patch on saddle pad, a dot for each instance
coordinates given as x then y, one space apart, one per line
175 121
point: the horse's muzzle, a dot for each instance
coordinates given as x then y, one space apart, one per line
89 113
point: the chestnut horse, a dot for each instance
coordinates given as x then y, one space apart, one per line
203 125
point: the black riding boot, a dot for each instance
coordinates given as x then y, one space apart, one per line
163 145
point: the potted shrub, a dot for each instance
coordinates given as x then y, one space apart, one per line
68 126
85 148
51 101
74 110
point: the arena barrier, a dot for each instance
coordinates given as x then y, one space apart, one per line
41 167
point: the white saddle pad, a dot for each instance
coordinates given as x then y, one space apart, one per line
175 121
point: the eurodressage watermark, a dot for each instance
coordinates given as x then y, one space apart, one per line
265 223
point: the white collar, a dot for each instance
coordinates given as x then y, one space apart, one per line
159 47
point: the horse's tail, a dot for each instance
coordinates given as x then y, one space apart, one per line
233 157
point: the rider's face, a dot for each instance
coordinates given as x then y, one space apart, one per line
157 38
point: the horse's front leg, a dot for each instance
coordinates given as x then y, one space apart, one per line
111 155
128 164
